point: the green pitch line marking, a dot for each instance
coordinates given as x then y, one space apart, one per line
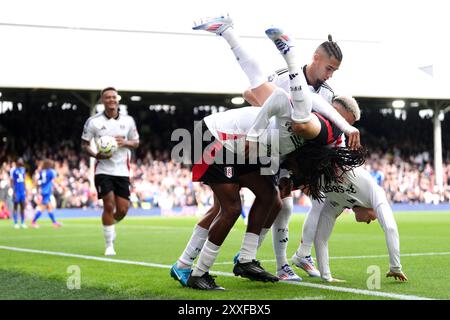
227 274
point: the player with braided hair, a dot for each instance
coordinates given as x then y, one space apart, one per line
278 105
326 59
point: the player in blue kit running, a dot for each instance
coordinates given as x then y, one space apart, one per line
45 181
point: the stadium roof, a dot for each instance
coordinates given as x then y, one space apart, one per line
388 51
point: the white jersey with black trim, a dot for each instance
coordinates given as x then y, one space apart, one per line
269 124
100 125
358 189
281 79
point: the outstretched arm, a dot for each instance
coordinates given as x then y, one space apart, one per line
320 105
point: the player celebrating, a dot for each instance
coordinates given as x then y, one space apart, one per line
359 191
309 126
20 193
45 181
323 65
325 61
112 170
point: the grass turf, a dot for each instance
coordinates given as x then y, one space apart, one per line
159 241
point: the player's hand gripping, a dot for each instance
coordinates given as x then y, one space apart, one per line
101 156
354 140
398 275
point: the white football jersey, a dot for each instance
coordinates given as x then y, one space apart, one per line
281 79
265 124
359 188
100 125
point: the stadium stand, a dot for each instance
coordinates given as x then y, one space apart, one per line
401 152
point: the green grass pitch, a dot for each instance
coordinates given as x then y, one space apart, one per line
157 242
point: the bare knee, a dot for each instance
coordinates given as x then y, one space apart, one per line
109 206
250 97
231 212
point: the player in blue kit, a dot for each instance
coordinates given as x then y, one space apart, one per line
45 181
20 193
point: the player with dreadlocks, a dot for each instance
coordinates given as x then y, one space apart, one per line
230 124
307 163
313 167
325 61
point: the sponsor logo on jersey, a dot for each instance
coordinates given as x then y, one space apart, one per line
350 189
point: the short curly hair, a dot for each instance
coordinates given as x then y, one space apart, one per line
350 104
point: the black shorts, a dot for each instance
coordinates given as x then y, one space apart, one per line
119 185
213 170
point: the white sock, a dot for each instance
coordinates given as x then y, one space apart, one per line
109 233
206 259
280 231
249 247
309 231
304 250
300 93
262 236
249 65
193 247
231 37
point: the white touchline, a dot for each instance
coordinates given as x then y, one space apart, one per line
419 254
227 274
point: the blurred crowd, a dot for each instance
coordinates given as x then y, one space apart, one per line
401 158
411 180
159 182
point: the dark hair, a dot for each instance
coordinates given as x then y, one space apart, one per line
332 48
107 89
47 163
315 167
